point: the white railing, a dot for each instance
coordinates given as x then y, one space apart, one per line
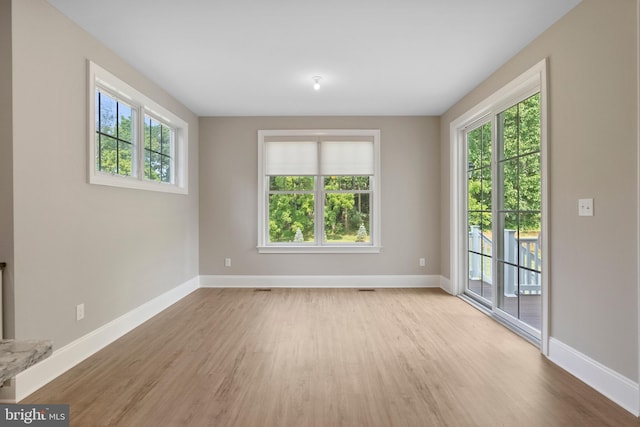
479 243
530 257
524 251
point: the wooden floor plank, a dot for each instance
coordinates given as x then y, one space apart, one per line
325 357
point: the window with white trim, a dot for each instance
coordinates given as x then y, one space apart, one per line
319 191
133 141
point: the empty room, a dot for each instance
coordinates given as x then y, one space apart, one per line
285 213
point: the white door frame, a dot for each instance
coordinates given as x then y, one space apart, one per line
638 167
535 76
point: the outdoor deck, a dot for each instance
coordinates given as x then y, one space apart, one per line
529 307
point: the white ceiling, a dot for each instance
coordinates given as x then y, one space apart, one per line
258 57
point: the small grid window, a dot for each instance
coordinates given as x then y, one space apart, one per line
114 135
134 142
158 151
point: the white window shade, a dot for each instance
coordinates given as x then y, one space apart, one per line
347 158
291 158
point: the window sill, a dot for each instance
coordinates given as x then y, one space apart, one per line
135 183
284 249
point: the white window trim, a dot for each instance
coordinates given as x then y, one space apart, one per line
101 78
528 83
374 247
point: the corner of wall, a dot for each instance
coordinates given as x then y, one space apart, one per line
6 166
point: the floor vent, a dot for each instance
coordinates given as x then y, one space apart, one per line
366 290
262 290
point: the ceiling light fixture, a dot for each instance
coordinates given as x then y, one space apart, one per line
316 82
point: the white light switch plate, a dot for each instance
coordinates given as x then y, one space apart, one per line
585 207
80 311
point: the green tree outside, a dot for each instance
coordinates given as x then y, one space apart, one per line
518 136
114 130
115 145
292 207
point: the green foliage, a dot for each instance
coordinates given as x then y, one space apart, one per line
157 151
114 129
479 176
291 207
291 183
289 212
345 211
518 136
115 149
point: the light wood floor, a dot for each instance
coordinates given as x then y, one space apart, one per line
325 357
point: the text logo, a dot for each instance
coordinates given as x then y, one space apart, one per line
34 415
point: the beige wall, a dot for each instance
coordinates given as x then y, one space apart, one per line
228 198
115 249
592 153
110 248
6 164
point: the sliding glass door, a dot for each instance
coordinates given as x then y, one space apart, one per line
479 212
518 231
503 213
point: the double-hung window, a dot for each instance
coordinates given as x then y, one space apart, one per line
319 191
133 141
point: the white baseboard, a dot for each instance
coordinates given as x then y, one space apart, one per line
70 355
616 387
382 281
445 284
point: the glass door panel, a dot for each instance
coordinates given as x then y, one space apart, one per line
479 215
519 257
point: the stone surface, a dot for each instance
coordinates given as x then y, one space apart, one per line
18 355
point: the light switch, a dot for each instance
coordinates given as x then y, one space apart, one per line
585 207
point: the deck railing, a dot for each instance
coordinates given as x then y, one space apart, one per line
523 251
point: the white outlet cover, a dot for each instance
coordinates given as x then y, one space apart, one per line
585 207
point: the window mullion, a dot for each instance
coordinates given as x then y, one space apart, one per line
319 195
117 137
139 142
99 130
265 230
319 182
173 153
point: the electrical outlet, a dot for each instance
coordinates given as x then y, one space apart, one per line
79 311
422 262
227 262
585 207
